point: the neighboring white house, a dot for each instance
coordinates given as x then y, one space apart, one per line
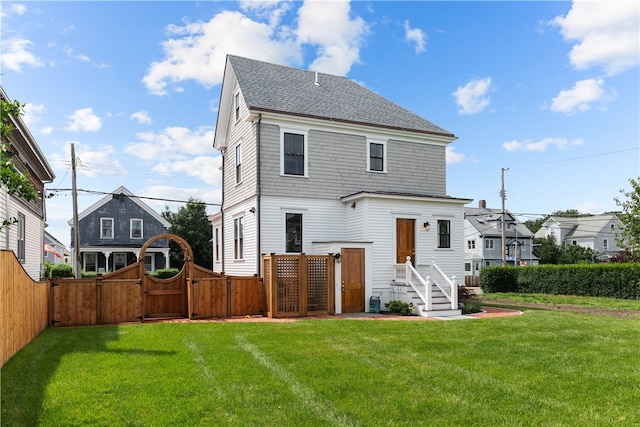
596 232
26 236
483 239
317 164
54 250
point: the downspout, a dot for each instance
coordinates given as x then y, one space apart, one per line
222 153
258 210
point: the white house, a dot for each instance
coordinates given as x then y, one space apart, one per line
317 164
596 232
25 237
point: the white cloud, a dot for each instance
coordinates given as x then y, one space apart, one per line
91 161
581 96
473 97
415 35
174 143
19 9
47 130
542 145
606 34
79 56
15 54
197 51
142 117
32 113
206 194
84 120
453 157
204 168
338 37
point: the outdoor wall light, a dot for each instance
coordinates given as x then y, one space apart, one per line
337 257
426 226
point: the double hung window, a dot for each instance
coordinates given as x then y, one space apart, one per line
444 233
238 238
136 228
377 156
294 149
106 228
293 227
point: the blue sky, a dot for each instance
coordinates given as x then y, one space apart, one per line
549 90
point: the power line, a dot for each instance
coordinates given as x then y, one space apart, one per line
105 193
593 155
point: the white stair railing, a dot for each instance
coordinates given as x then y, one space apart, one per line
422 286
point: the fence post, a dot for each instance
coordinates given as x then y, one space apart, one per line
273 284
99 300
303 285
331 284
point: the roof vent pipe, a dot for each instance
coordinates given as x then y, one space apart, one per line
316 81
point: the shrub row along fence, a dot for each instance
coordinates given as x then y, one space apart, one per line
298 285
598 280
23 304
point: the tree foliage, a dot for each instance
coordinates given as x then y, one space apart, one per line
16 183
629 237
534 225
551 253
191 223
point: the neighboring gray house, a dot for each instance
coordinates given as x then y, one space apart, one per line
26 236
596 232
315 163
483 239
114 229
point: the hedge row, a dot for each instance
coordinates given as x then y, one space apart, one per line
598 280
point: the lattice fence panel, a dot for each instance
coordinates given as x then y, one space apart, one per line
288 285
317 284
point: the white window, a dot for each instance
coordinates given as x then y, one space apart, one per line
605 244
135 228
238 164
444 233
471 244
106 228
238 238
217 244
149 262
293 232
236 104
377 156
90 261
119 260
22 233
488 244
467 266
294 153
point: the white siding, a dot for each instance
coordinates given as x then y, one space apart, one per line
34 238
246 266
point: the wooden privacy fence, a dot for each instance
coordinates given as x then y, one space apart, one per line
23 304
298 285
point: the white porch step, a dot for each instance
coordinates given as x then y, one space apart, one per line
440 313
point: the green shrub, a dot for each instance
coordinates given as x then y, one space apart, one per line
61 270
400 307
471 306
86 274
499 279
165 273
47 269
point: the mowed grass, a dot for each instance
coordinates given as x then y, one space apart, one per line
541 368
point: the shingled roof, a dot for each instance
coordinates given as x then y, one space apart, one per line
274 88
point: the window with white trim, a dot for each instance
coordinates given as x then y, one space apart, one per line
149 262
377 156
293 232
444 233
238 238
471 244
90 261
22 236
236 104
135 228
217 244
294 148
605 244
488 244
106 228
238 164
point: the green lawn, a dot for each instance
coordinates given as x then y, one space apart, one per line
542 368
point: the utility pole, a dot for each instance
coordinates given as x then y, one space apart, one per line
76 223
503 196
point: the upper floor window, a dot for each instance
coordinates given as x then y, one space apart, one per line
377 156
22 231
238 164
106 228
236 104
135 228
471 244
294 154
605 244
217 244
238 238
613 227
444 233
488 244
293 227
574 242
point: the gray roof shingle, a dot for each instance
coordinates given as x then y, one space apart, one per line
276 88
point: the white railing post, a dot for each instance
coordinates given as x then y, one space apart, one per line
428 293
454 293
407 270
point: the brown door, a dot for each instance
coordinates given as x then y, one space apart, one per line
352 280
165 298
405 240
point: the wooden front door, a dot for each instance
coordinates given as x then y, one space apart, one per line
165 298
353 280
405 240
